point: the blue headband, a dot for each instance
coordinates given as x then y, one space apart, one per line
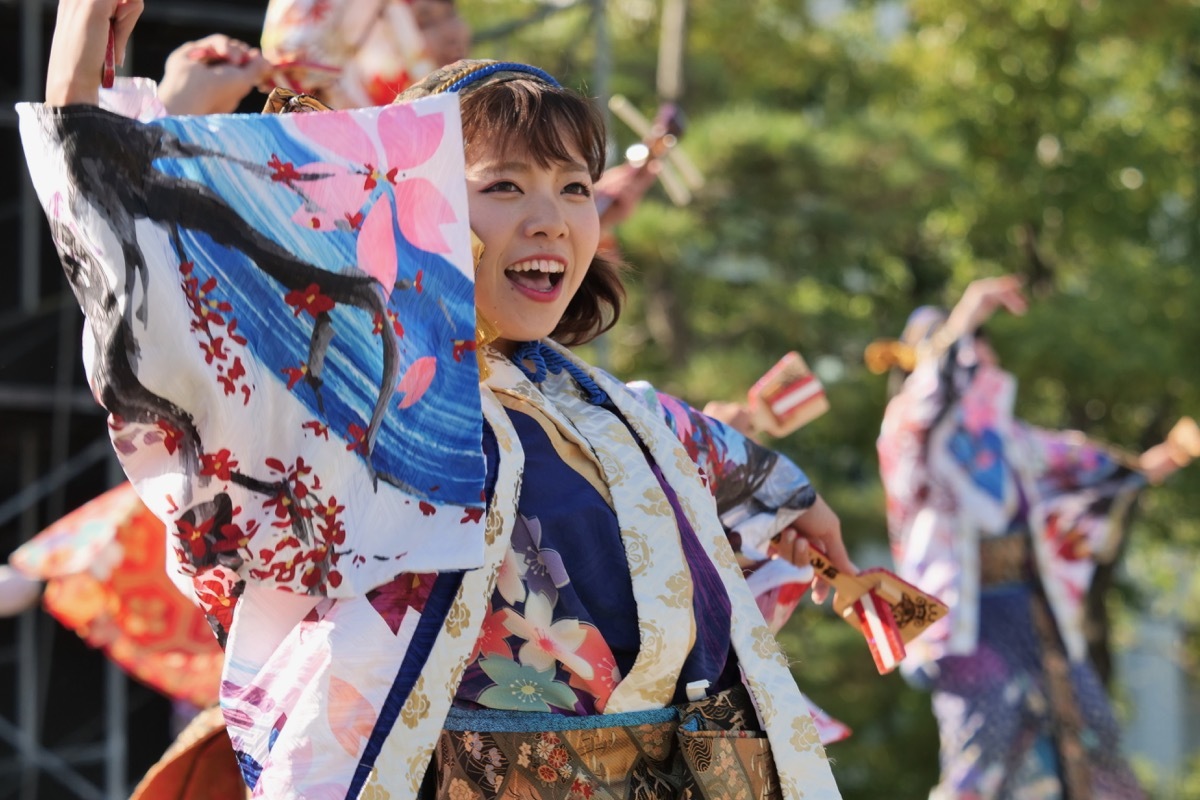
499 66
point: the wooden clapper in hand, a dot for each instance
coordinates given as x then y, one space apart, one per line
888 611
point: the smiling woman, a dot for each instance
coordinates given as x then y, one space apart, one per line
539 229
582 626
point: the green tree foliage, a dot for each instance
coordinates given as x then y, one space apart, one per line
865 157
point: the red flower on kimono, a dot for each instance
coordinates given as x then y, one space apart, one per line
283 172
194 536
172 436
214 349
295 374
232 538
219 464
215 593
309 300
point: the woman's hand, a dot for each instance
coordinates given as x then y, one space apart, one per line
621 188
822 527
80 42
981 299
211 75
1161 461
735 415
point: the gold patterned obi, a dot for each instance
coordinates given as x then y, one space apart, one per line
1005 559
711 748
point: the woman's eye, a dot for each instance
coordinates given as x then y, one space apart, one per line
579 188
503 186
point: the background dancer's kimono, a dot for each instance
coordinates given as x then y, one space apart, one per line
1004 522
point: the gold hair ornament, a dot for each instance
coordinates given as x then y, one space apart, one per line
883 354
486 331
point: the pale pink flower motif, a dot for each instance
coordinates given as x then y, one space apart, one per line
509 582
546 641
340 199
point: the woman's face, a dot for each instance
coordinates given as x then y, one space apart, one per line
539 229
985 354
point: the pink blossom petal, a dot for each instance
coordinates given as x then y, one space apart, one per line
351 716
409 140
422 210
340 192
417 380
377 244
340 133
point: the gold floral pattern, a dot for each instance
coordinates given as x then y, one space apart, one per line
373 790
416 708
680 587
806 738
458 619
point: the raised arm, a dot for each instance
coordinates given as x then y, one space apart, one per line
81 39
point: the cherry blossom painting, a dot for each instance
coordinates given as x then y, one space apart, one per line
281 325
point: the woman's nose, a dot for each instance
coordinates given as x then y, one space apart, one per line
546 218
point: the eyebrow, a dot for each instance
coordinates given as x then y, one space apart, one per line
526 166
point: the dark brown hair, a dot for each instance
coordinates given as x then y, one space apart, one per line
548 122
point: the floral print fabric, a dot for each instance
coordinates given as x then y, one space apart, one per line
994 708
960 471
561 630
348 53
255 384
957 467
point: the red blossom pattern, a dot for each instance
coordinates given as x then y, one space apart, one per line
219 464
309 300
283 171
313 562
217 591
462 347
317 427
216 333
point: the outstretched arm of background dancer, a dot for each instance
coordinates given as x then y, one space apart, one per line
981 299
80 41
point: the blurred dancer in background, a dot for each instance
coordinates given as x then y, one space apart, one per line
1005 523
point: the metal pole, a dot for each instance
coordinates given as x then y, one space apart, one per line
602 68
115 741
28 707
601 75
670 50
117 705
31 216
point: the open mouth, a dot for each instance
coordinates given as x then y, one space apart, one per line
540 275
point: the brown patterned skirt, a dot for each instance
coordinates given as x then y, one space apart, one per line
711 749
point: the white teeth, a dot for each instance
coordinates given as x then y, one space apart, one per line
539 265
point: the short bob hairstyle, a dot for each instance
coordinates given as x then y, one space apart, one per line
525 114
